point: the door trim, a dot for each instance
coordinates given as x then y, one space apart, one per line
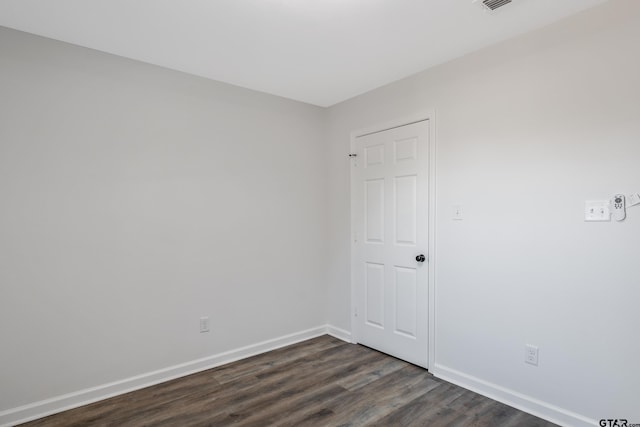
430 116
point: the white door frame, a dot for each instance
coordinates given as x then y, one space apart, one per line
425 115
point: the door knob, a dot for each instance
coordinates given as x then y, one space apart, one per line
420 258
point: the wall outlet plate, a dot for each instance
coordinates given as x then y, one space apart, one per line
204 324
597 210
531 354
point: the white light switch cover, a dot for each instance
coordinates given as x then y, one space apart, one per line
457 212
597 210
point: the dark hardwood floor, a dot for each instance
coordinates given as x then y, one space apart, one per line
319 382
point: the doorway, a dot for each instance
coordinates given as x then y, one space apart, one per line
391 240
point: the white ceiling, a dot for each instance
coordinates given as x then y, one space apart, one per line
316 51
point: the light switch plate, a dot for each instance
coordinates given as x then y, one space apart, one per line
457 213
633 199
597 210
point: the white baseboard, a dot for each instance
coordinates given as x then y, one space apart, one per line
61 403
512 398
341 334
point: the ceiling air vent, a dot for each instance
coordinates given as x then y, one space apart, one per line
495 4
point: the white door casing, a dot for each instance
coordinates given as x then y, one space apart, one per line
390 229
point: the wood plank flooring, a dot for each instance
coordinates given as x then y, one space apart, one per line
319 382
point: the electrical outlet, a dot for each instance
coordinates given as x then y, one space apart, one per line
531 354
204 324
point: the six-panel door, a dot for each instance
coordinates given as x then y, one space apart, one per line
391 229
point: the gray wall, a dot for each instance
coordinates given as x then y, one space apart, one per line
526 132
134 200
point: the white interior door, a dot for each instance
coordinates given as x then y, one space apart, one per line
390 201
